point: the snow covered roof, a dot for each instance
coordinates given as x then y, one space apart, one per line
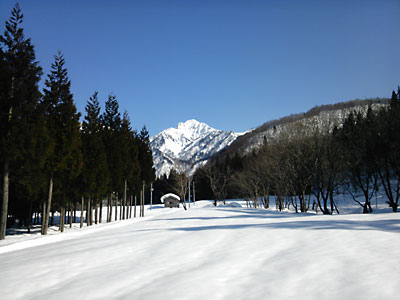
170 195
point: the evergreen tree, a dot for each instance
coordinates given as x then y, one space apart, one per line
111 137
65 161
146 157
95 176
112 128
134 177
19 93
130 156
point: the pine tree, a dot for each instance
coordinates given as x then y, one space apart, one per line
395 100
65 161
125 141
146 157
112 129
95 175
148 174
19 96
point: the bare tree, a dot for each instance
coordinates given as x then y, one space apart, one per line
218 177
180 185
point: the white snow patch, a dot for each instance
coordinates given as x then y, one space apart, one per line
170 195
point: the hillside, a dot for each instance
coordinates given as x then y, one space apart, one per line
210 252
324 115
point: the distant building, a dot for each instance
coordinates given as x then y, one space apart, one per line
170 200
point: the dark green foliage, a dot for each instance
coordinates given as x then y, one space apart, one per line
95 174
63 122
130 154
65 162
203 189
19 95
43 151
146 157
20 75
111 137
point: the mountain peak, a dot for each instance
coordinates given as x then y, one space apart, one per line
187 146
193 129
189 123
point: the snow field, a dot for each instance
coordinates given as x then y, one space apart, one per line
211 253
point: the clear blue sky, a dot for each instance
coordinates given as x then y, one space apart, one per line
231 64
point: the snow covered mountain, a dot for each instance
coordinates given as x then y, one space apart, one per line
188 146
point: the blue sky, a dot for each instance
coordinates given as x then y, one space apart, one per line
231 64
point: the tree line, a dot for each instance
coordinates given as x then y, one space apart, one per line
305 165
51 160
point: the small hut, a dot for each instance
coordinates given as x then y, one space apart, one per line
170 200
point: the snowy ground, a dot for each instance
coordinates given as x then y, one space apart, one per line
210 253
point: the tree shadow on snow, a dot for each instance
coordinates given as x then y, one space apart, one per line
381 225
246 213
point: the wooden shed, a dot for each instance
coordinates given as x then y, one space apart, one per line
170 200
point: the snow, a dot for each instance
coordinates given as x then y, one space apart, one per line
169 195
206 252
188 146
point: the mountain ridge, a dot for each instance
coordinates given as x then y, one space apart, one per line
320 115
188 146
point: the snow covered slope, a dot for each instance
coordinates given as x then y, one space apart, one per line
188 146
322 117
211 253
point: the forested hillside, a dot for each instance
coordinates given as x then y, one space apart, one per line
323 115
52 160
307 162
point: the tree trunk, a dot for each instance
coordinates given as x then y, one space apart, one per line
91 211
194 194
134 212
81 218
4 207
70 215
140 204
96 211
130 206
48 206
143 199
74 212
101 211
304 206
88 213
30 216
120 209
123 212
266 200
108 208
126 208
44 209
116 207
62 218
331 200
66 214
